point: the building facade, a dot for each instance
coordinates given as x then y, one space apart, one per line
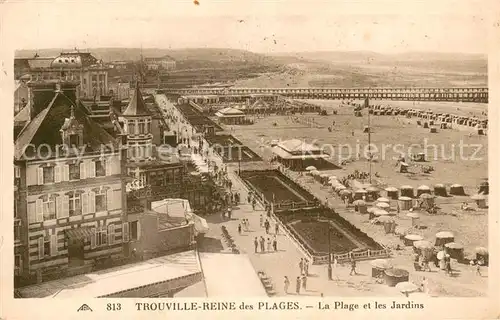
160 63
69 189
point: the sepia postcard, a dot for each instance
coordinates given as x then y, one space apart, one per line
222 159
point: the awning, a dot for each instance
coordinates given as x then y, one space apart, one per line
79 233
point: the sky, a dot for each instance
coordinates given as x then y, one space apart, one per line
271 26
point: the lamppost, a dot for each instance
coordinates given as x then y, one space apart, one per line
329 254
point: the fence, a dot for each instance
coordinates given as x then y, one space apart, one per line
356 255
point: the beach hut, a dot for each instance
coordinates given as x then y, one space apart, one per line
415 218
393 276
402 167
482 255
387 222
455 250
324 178
392 192
405 203
406 191
443 238
410 238
373 192
426 125
427 200
440 190
359 194
443 125
379 266
480 200
484 188
457 190
433 130
360 206
423 189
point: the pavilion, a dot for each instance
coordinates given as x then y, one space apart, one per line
297 154
230 116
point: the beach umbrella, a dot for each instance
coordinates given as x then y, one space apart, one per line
482 250
413 215
478 197
315 172
414 237
380 212
372 209
426 196
404 198
340 187
454 245
424 188
444 234
440 255
345 192
372 189
194 173
311 168
359 203
391 189
406 287
324 175
406 187
383 205
423 244
361 191
385 219
333 182
332 178
382 199
381 264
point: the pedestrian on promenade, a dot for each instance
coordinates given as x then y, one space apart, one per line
229 212
286 284
262 244
266 225
249 198
478 268
254 202
269 244
275 244
256 244
223 214
248 224
276 228
306 268
261 221
304 282
239 228
301 266
353 267
297 285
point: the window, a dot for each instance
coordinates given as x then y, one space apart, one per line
48 174
74 140
142 127
46 246
131 127
100 169
17 261
74 171
100 201
101 237
17 232
133 230
17 172
49 209
75 204
148 127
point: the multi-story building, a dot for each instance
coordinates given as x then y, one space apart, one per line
160 63
69 187
91 73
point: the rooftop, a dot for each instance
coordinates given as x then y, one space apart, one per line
298 146
136 105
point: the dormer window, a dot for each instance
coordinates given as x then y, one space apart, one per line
74 140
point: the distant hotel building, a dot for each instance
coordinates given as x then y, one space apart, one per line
161 63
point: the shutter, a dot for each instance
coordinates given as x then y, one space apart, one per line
31 213
125 234
108 166
39 210
40 248
111 234
65 206
85 203
138 230
57 173
82 170
93 238
59 207
92 169
91 202
53 244
110 200
117 199
40 176
65 172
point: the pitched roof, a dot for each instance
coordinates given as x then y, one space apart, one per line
44 128
39 63
296 145
231 111
136 105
